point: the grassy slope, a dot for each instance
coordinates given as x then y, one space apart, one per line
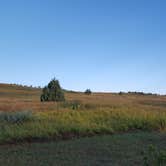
116 150
23 98
106 113
121 149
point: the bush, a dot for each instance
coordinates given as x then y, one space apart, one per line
16 117
77 105
74 105
88 92
52 92
121 93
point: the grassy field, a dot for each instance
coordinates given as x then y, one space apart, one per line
50 125
23 118
114 150
99 113
25 98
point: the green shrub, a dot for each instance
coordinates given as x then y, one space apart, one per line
88 92
52 92
77 105
74 105
16 117
121 93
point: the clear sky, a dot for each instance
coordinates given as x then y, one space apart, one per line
104 45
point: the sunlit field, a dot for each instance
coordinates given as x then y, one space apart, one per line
24 117
18 98
111 128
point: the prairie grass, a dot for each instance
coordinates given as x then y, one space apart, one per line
17 98
68 124
80 115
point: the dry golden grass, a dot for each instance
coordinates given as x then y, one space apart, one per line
17 98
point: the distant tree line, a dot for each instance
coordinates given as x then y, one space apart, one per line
137 93
26 86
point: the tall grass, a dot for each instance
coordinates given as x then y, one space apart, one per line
56 124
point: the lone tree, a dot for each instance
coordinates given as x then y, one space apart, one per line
88 92
52 92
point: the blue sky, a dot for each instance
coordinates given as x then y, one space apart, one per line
104 45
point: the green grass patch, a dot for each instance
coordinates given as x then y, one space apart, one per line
114 150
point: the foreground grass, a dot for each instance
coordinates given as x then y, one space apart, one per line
68 124
116 150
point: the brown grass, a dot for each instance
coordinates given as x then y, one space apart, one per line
17 98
